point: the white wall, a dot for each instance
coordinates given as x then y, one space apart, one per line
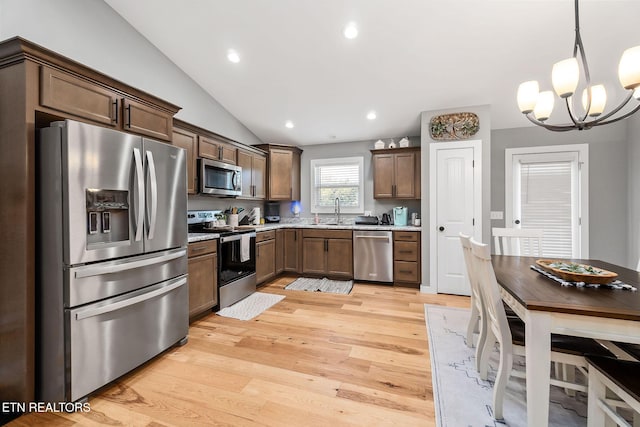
484 134
633 190
90 32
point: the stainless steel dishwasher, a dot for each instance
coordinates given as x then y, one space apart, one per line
373 255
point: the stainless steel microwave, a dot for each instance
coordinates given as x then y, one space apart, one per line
220 179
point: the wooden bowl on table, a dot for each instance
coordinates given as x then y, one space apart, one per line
574 272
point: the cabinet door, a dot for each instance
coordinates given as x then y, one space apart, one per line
405 172
145 120
203 283
383 176
279 251
265 260
280 164
245 161
228 153
295 176
313 255
340 257
292 250
187 140
208 148
64 92
258 177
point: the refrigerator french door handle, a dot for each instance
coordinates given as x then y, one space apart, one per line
140 177
130 301
154 194
117 268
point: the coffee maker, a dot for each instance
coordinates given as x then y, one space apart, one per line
272 212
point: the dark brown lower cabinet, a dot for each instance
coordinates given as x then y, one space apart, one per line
265 256
328 253
203 277
406 258
292 250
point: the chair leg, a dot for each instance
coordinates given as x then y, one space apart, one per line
485 353
569 375
502 377
596 392
482 338
473 324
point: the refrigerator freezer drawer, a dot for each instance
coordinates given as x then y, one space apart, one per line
98 281
112 337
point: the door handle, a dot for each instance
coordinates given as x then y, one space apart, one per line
441 228
137 157
130 301
517 221
129 116
114 119
154 194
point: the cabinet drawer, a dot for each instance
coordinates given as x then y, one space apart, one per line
265 235
328 234
203 247
404 271
405 251
409 236
64 92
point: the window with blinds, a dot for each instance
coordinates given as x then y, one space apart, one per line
337 178
546 203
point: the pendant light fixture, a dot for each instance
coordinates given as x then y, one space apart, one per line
565 75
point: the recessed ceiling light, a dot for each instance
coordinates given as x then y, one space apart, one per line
371 115
233 56
289 124
351 30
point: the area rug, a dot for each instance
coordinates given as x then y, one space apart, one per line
461 398
251 306
321 285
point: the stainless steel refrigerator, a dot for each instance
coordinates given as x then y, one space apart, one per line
111 251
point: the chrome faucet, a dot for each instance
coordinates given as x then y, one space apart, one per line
336 205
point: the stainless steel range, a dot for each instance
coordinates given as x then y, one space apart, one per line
111 284
236 256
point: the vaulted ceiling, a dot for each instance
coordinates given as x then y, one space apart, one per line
409 56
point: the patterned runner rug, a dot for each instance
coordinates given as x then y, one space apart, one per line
461 398
251 306
321 285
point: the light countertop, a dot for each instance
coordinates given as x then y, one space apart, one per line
196 237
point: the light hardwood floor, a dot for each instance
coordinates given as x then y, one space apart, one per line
312 359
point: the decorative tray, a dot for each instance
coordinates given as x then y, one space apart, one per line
573 272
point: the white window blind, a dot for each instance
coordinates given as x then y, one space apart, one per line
337 178
546 203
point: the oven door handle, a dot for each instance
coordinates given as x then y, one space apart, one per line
235 237
129 301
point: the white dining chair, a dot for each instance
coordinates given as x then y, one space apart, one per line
613 383
517 241
477 321
508 333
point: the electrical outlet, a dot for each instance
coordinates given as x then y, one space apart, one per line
497 215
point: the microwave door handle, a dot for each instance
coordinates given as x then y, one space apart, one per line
154 194
140 181
234 180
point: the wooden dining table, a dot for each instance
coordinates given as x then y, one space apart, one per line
547 307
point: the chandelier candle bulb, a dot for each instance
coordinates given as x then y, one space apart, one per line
565 76
528 96
598 100
629 68
544 106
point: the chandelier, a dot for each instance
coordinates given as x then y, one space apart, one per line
537 106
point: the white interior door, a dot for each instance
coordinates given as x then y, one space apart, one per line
456 204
